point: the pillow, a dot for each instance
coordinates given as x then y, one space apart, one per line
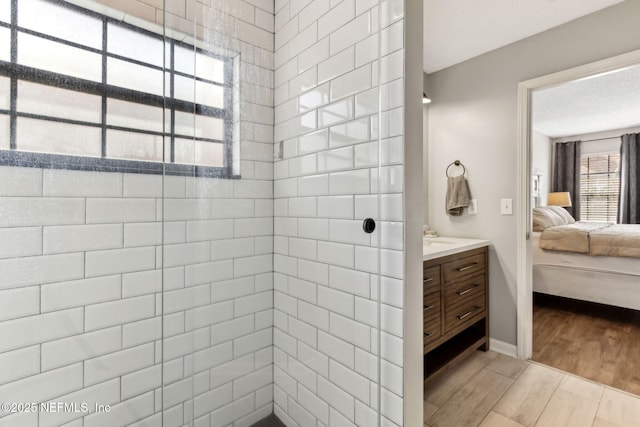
568 219
544 217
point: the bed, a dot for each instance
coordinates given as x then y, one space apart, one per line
598 262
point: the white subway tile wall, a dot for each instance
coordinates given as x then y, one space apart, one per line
246 313
326 183
92 305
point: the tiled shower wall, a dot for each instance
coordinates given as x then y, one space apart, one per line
81 264
325 280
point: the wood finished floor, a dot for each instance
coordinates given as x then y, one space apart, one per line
494 390
594 341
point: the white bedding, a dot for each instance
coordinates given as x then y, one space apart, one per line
570 237
616 240
622 265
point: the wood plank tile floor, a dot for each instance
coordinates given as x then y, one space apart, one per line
494 390
594 341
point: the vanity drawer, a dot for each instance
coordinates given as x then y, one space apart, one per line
432 327
430 279
431 307
464 290
463 267
431 324
465 313
430 335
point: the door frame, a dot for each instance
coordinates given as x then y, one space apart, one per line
524 286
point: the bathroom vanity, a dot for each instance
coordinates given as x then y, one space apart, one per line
455 291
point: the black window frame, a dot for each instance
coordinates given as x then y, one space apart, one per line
15 72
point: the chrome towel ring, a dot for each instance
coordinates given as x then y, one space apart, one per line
456 163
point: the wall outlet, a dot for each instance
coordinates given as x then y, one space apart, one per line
506 206
473 207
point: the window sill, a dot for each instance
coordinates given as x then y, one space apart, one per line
95 164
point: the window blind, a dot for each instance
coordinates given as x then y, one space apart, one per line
599 187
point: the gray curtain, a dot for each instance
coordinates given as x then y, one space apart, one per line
629 203
566 173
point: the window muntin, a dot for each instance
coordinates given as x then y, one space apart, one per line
599 187
109 103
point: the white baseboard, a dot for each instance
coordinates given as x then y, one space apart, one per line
503 347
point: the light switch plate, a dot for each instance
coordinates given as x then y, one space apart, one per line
506 206
473 207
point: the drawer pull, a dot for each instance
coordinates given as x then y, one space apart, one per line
428 335
466 267
466 291
427 280
467 314
426 308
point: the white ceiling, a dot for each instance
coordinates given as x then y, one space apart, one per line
606 102
457 30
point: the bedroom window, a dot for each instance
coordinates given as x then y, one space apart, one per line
86 91
599 187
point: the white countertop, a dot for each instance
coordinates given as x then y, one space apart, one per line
436 247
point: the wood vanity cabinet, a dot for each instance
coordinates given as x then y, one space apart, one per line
455 295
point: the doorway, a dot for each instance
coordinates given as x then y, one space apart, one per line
524 258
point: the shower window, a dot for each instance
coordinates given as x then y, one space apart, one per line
81 90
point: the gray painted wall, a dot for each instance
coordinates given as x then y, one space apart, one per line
425 152
473 118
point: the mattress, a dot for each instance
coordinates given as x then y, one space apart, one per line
623 265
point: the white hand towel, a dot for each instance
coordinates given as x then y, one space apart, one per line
458 196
